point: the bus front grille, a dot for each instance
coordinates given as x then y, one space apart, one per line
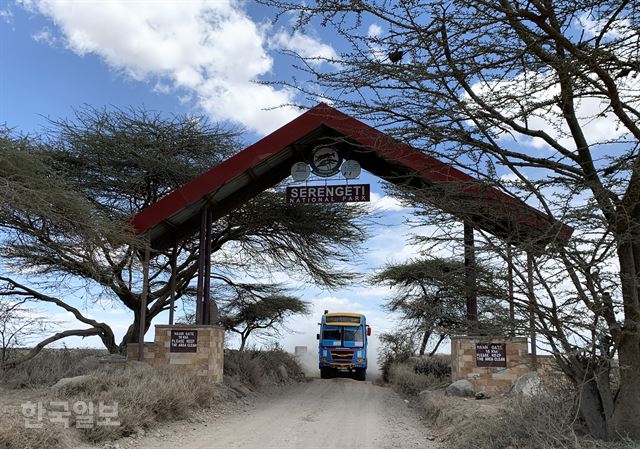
342 356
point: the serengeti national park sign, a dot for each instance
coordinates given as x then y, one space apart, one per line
325 162
348 193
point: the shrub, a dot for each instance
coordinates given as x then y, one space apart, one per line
438 365
395 347
14 435
404 376
259 367
50 366
244 366
273 359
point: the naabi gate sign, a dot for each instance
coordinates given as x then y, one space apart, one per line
491 354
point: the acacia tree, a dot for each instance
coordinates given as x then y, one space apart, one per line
66 224
430 296
541 92
262 310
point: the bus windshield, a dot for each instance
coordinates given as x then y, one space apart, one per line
353 335
332 334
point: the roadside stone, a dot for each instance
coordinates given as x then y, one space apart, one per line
136 364
70 381
527 385
460 388
112 358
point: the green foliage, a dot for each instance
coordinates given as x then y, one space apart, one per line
430 296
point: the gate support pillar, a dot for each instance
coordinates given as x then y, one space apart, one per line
144 296
470 273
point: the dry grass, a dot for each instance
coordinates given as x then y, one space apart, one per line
50 366
144 397
14 435
540 422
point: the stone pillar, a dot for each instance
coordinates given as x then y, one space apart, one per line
490 379
195 348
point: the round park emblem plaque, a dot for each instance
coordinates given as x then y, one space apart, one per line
326 161
300 171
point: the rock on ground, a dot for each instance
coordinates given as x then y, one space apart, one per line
66 381
460 388
527 385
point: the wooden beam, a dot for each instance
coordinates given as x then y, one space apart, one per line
532 316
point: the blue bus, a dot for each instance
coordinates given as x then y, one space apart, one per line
342 345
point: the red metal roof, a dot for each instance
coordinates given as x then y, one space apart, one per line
267 162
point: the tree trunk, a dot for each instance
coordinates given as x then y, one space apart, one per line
425 340
591 409
627 405
243 341
109 341
442 337
133 332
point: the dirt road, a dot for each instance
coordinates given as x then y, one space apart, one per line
335 413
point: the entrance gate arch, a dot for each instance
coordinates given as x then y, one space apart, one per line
197 204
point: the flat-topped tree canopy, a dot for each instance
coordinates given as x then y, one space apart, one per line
268 161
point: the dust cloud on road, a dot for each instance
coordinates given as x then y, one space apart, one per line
329 414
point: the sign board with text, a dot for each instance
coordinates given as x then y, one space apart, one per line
348 193
491 354
183 341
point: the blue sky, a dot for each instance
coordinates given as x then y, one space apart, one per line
57 56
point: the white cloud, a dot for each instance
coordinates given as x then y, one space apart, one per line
372 292
374 30
304 45
385 203
594 26
535 91
208 49
390 245
45 36
598 122
6 15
